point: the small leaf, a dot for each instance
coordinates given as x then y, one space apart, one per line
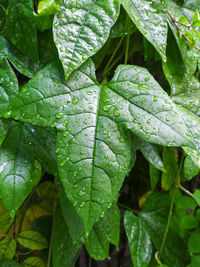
183 20
32 240
190 169
33 262
7 248
48 7
196 19
196 196
194 242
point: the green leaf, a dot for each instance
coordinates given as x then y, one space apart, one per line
19 172
33 262
87 115
183 85
196 196
74 222
20 27
191 4
150 19
64 249
194 242
170 163
7 248
9 263
190 169
48 7
41 144
139 240
32 240
81 29
189 55
196 19
189 222
102 233
191 99
22 63
154 218
150 152
119 28
154 176
195 261
8 84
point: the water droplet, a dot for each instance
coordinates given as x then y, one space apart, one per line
75 101
155 99
116 111
121 139
12 213
75 185
82 204
147 79
7 114
81 193
63 162
59 115
143 86
148 136
107 107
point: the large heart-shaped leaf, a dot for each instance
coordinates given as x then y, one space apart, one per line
81 28
150 19
19 172
93 145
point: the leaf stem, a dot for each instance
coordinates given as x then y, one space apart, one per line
51 241
171 207
111 58
186 191
127 39
127 208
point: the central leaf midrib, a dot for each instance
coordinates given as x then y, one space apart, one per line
94 149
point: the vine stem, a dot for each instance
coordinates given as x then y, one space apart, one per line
170 209
111 58
127 39
51 241
175 22
186 191
127 208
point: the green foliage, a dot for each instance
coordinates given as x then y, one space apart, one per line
99 132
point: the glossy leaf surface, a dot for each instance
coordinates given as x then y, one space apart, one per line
19 172
87 115
81 28
150 19
139 240
20 27
64 249
32 240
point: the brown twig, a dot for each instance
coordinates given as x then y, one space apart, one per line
175 22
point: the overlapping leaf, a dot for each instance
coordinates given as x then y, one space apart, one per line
93 146
19 172
20 27
150 18
81 28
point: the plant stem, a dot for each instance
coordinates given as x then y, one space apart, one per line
182 34
111 58
127 39
186 191
171 207
51 241
127 208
